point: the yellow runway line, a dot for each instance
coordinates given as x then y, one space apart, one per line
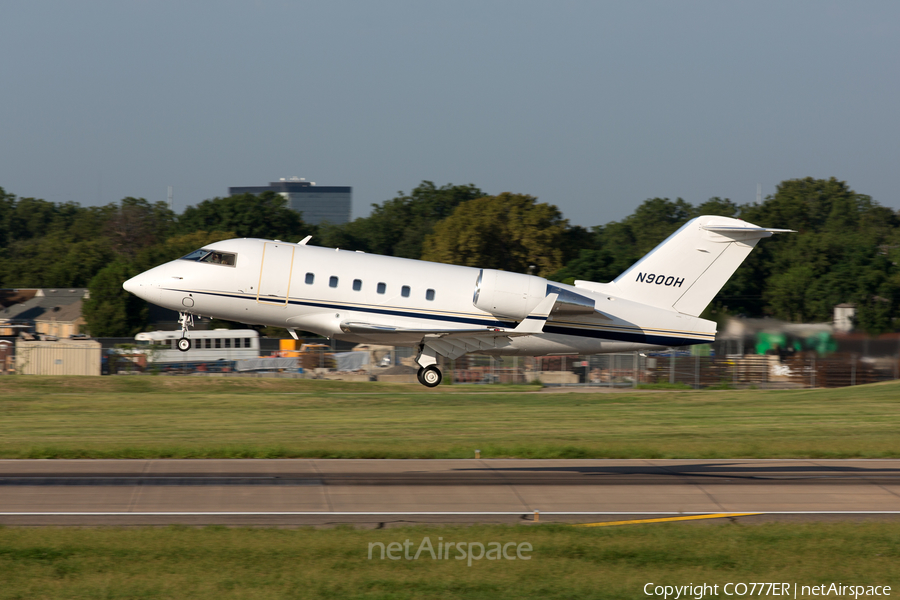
665 519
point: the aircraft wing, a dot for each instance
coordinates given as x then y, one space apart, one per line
450 343
363 328
530 325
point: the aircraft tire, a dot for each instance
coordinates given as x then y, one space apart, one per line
184 344
430 376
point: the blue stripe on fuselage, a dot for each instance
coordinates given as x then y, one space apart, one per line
620 336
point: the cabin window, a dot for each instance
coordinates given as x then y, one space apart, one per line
218 343
208 343
429 295
382 288
357 285
246 342
310 278
332 281
198 343
404 291
227 343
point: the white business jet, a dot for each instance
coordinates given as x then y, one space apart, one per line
449 310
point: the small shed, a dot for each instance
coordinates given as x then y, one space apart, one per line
62 357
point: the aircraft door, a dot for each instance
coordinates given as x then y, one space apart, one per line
275 273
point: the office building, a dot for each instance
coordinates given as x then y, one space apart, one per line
317 203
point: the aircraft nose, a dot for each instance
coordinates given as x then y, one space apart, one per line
142 286
131 285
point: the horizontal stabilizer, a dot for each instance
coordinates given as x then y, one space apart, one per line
762 232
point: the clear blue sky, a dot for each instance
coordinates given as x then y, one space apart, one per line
592 106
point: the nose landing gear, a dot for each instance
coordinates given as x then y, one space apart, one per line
187 321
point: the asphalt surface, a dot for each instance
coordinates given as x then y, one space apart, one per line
321 492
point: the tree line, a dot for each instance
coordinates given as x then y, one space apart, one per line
847 248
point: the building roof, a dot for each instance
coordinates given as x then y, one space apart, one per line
10 297
42 301
62 314
291 187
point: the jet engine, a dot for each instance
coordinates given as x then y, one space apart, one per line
510 295
515 296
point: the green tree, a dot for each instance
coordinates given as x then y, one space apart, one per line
137 224
111 311
618 245
847 250
7 204
178 246
512 232
398 227
788 292
50 245
263 216
841 253
722 207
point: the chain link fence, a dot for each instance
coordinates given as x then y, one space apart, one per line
675 368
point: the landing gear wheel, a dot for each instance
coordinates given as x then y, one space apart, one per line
184 344
430 376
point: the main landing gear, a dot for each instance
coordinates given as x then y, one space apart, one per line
187 321
430 376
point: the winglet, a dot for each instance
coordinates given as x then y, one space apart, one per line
305 240
534 323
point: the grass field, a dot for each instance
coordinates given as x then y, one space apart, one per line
566 562
182 417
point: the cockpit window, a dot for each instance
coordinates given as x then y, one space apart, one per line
219 258
212 256
195 255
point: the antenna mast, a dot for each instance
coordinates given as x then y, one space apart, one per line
171 201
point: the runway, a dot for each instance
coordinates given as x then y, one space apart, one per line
379 492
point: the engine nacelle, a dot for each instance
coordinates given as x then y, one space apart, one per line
510 295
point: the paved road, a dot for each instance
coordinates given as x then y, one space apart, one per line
128 488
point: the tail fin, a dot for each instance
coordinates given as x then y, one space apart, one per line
689 268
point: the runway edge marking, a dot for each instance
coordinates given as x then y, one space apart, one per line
662 520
